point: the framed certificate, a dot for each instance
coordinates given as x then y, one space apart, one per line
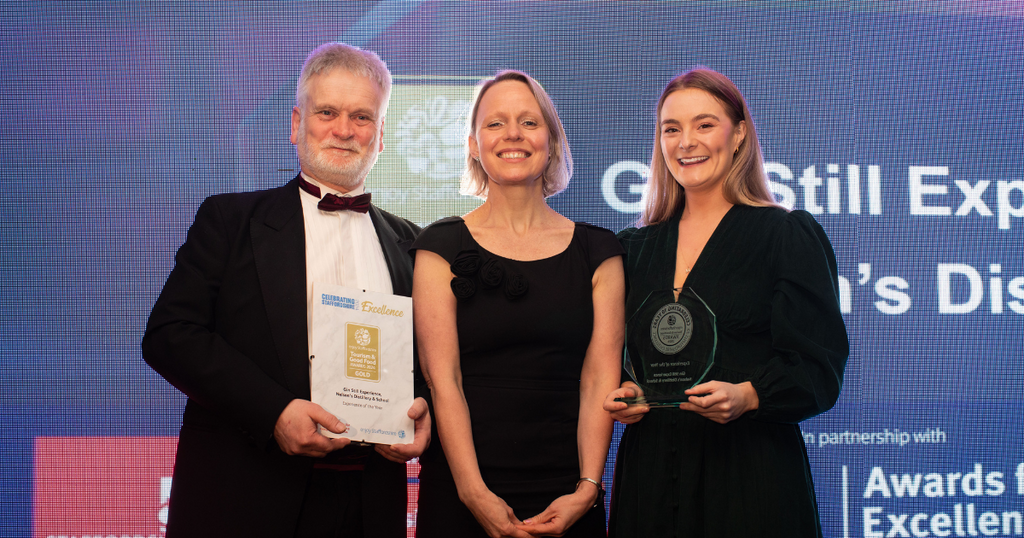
361 362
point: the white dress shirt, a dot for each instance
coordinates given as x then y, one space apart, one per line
341 248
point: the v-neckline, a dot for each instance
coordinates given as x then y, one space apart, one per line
674 240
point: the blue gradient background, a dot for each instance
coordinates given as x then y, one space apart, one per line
119 118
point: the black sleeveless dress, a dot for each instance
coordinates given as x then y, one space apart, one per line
524 328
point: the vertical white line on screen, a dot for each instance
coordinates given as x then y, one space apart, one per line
846 504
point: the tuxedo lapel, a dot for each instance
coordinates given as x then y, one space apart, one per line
279 249
396 253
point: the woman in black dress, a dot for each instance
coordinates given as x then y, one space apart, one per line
730 461
518 315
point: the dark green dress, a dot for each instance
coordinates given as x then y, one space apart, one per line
770 278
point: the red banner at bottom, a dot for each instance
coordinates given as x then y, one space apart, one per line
103 487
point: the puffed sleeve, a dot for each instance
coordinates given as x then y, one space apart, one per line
804 375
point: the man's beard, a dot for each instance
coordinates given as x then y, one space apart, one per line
317 164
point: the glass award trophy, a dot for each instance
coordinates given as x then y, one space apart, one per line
670 347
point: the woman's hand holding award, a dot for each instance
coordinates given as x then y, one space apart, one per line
670 347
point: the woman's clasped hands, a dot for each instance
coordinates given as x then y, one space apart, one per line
494 515
556 519
499 521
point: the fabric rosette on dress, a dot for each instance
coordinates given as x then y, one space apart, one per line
469 269
492 273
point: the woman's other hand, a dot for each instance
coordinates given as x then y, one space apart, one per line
621 411
495 516
556 519
721 402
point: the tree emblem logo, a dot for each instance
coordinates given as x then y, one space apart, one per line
362 337
432 137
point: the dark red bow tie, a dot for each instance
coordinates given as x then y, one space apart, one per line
331 202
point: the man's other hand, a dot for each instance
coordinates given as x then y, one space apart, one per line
420 440
296 430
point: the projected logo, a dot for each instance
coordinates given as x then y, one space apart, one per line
417 176
102 486
432 137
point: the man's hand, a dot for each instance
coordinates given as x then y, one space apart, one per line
421 438
296 431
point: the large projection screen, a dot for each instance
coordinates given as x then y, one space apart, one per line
898 125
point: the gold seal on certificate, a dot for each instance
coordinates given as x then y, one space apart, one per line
670 347
361 362
362 357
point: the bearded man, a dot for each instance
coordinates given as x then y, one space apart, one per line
231 329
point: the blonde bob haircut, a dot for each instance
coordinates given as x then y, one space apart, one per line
746 183
559 170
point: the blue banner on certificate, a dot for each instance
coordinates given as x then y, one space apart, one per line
361 362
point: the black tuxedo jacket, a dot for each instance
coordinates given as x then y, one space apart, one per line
229 331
